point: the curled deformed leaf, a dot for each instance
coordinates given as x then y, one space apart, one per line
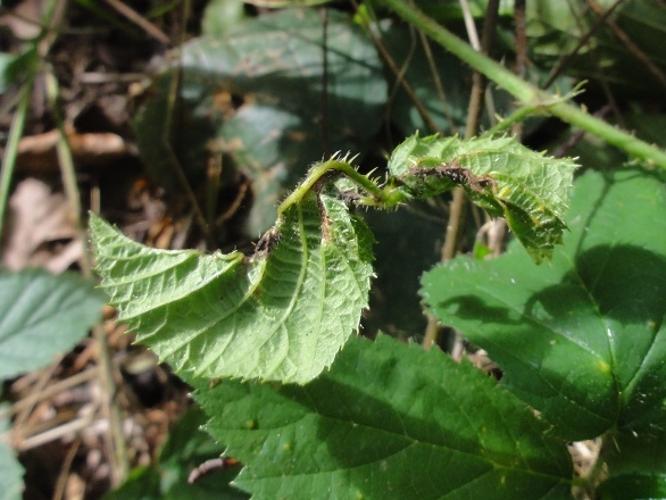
501 175
281 315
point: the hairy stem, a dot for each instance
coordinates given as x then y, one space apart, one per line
387 197
525 92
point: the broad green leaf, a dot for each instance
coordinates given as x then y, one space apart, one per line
11 472
388 421
528 189
41 316
187 448
255 96
282 314
580 338
633 486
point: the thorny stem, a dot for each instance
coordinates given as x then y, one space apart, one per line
525 92
11 150
387 197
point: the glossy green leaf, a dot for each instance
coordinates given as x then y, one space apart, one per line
580 338
633 486
529 189
282 314
186 449
388 421
41 316
255 97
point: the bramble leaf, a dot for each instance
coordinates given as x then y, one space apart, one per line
582 338
501 175
41 316
388 420
281 315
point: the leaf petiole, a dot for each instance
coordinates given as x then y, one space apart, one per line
386 197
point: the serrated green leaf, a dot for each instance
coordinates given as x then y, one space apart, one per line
281 315
529 189
388 421
580 338
11 472
42 315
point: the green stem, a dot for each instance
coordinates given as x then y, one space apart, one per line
117 447
386 196
525 92
517 116
11 150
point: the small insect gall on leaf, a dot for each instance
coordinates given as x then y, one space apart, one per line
325 221
267 241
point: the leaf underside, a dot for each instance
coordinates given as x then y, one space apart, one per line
387 421
281 315
580 338
529 189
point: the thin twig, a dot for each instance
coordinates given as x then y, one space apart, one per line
61 483
566 59
143 23
168 134
439 86
55 433
43 379
457 205
116 441
521 52
400 77
631 46
53 389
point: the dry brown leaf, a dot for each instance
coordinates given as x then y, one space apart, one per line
38 152
37 220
